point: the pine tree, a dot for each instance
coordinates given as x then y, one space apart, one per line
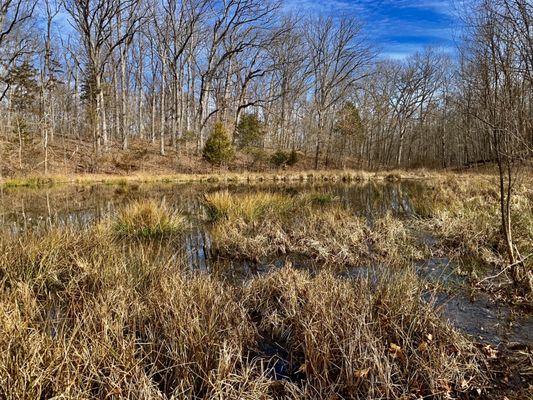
218 148
349 122
250 131
25 89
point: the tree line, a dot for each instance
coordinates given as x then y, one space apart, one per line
173 72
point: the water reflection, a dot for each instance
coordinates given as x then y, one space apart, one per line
79 207
22 209
198 249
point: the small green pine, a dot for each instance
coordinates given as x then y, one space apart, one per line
218 148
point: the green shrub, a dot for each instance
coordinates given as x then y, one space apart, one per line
279 158
250 131
218 148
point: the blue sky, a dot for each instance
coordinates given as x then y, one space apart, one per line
397 27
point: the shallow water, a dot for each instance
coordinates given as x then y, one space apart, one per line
81 206
486 320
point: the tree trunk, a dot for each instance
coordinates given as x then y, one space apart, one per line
162 127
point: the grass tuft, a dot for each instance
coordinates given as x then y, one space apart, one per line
223 205
148 219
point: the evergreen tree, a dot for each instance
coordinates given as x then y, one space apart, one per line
349 122
250 131
25 89
218 148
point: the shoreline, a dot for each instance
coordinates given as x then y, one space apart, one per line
42 181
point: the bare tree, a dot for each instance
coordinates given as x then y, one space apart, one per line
497 71
338 57
231 32
15 41
94 20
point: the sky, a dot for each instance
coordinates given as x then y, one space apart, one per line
398 28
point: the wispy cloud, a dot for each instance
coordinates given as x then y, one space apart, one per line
397 27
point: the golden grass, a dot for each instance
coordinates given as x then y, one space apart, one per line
261 225
223 205
393 240
349 339
82 316
465 216
86 316
37 181
148 219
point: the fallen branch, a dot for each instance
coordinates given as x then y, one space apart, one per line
521 261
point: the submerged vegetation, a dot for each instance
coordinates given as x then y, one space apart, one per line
342 313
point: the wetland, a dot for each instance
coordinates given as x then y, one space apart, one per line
262 290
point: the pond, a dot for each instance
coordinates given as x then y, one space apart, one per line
81 206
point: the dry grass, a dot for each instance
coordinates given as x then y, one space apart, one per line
465 216
85 316
393 240
328 234
82 316
261 225
223 205
349 339
148 219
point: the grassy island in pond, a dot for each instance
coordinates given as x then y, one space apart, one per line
293 290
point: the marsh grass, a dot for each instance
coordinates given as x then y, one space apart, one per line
359 338
464 216
259 226
82 316
148 219
394 240
326 234
29 182
223 205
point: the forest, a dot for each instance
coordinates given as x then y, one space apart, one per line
248 199
103 74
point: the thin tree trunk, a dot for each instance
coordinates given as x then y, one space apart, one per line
162 102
